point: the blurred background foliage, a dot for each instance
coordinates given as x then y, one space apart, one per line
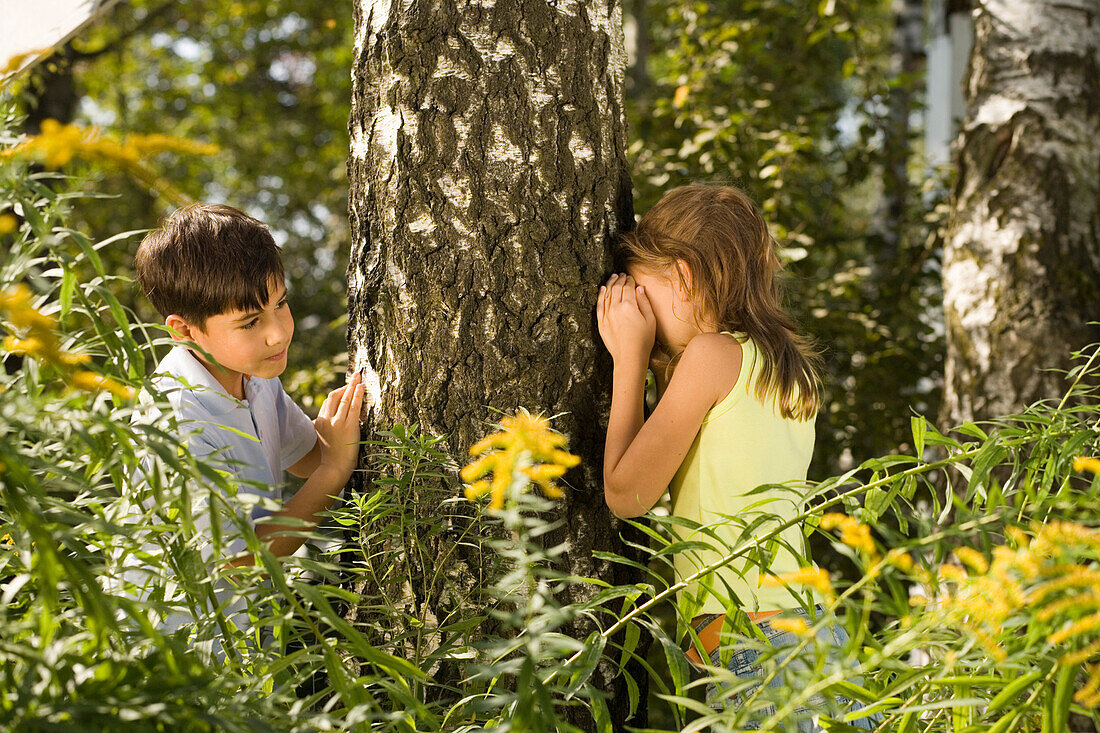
790 100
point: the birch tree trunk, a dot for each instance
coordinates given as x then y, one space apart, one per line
1022 258
488 178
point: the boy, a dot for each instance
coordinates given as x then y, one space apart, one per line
215 275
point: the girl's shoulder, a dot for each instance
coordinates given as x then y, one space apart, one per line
715 346
713 361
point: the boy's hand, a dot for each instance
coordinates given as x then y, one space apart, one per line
625 320
338 428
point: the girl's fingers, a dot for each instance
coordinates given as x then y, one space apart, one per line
629 291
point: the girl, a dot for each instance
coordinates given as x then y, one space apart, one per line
700 303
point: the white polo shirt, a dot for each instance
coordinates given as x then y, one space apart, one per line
257 438
254 440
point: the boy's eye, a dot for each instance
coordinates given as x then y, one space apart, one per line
251 323
281 303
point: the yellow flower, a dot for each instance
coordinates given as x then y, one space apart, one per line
987 641
790 625
1082 655
16 303
852 532
525 446
57 144
92 382
1088 623
681 95
1071 533
1018 536
1089 695
16 62
953 572
8 223
1092 465
29 346
972 558
900 559
814 577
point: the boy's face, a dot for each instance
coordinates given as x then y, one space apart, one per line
252 343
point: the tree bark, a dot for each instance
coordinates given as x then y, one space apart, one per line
488 178
1022 255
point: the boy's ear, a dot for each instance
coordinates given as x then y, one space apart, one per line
181 327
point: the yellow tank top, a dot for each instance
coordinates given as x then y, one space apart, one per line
742 444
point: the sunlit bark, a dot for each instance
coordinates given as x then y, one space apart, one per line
1022 259
488 178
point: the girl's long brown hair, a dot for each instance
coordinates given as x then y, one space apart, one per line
734 282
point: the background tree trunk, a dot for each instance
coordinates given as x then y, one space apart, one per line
906 63
488 178
1022 256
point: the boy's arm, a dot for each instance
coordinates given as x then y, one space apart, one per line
308 463
315 497
338 440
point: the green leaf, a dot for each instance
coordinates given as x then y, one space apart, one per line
1057 713
581 669
879 706
920 427
632 635
68 287
1012 690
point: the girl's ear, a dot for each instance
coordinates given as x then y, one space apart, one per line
685 274
181 327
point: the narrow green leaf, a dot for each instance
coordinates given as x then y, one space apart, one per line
1009 693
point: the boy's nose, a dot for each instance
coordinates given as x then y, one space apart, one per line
279 334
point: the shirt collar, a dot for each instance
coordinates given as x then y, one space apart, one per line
184 367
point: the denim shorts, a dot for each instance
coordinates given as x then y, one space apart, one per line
743 662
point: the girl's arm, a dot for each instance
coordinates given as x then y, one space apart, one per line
640 460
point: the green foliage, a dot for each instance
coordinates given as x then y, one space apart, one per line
88 494
791 101
92 491
268 83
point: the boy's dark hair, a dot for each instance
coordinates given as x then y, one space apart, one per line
207 259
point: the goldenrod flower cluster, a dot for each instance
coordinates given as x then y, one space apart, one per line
1050 579
852 533
525 445
816 578
39 341
58 144
1086 464
795 626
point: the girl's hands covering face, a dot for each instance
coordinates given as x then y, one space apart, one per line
625 320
